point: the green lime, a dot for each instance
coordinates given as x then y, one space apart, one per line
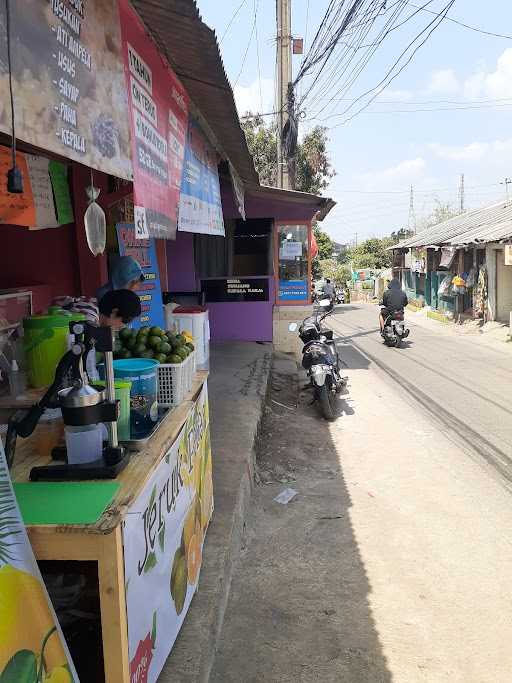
125 334
147 354
131 343
180 340
139 350
144 330
164 348
117 346
125 353
161 357
182 352
156 331
174 359
154 341
190 346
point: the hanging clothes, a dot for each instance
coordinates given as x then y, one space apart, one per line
481 294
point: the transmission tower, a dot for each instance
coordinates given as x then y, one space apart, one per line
461 194
411 223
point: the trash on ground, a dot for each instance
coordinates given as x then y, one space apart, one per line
285 496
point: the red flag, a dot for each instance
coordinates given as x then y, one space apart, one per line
314 246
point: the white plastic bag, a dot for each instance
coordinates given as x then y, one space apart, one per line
95 223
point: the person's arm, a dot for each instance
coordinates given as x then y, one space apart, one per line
385 298
406 300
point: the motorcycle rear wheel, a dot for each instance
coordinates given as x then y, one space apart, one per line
326 400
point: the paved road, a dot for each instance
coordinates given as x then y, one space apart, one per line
463 386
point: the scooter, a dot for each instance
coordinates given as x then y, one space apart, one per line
395 331
340 296
320 359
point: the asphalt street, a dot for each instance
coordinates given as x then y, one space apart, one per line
464 387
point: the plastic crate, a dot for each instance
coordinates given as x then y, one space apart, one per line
175 381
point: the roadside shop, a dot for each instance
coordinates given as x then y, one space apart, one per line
118 539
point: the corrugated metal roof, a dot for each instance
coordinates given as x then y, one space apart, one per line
488 224
324 204
192 51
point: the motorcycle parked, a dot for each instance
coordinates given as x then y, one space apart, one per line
394 329
321 359
340 296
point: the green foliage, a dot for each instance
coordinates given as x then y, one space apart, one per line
313 168
336 272
371 254
325 243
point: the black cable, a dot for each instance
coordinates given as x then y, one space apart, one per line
232 20
248 44
470 28
11 95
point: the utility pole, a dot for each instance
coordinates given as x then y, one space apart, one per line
461 193
506 182
284 79
411 223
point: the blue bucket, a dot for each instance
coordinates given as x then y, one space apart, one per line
143 374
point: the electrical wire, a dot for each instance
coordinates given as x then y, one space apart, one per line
249 43
470 28
258 51
235 14
9 64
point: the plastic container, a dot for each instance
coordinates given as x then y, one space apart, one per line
175 381
123 389
45 342
84 444
195 320
142 373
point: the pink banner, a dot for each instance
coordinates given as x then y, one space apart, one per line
158 106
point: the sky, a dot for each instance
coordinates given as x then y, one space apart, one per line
463 79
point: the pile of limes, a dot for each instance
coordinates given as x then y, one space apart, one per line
152 342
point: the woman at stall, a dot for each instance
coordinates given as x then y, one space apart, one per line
126 273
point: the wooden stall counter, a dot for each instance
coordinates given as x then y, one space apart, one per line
106 540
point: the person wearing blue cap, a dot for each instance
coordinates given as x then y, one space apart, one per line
126 273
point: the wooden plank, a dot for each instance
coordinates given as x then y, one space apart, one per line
114 624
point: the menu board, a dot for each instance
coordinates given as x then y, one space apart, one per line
158 112
68 81
149 291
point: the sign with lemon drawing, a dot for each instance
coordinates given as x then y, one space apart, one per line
163 538
32 647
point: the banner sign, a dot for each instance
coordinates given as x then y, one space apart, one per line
163 536
293 290
149 291
32 647
158 113
200 201
68 81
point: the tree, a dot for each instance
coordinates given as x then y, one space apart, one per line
440 214
313 168
324 242
372 254
336 272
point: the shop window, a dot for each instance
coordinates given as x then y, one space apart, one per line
293 262
252 242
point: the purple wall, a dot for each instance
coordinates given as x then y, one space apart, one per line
245 321
180 263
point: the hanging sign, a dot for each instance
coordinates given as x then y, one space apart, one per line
163 539
68 81
200 201
447 256
158 114
149 291
32 647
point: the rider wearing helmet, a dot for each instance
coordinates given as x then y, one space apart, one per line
394 299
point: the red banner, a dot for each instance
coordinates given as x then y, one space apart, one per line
158 106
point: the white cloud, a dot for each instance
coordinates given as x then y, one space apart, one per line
399 176
471 152
493 84
443 82
491 152
248 97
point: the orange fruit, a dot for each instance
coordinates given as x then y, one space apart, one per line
194 557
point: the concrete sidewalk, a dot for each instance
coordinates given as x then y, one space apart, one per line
239 377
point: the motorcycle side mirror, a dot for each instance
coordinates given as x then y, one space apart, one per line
292 327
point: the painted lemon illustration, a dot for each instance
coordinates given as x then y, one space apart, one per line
189 526
25 622
179 580
207 493
59 675
194 555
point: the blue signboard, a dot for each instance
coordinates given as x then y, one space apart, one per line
200 208
293 290
150 292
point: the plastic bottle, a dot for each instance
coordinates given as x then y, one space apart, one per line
17 380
